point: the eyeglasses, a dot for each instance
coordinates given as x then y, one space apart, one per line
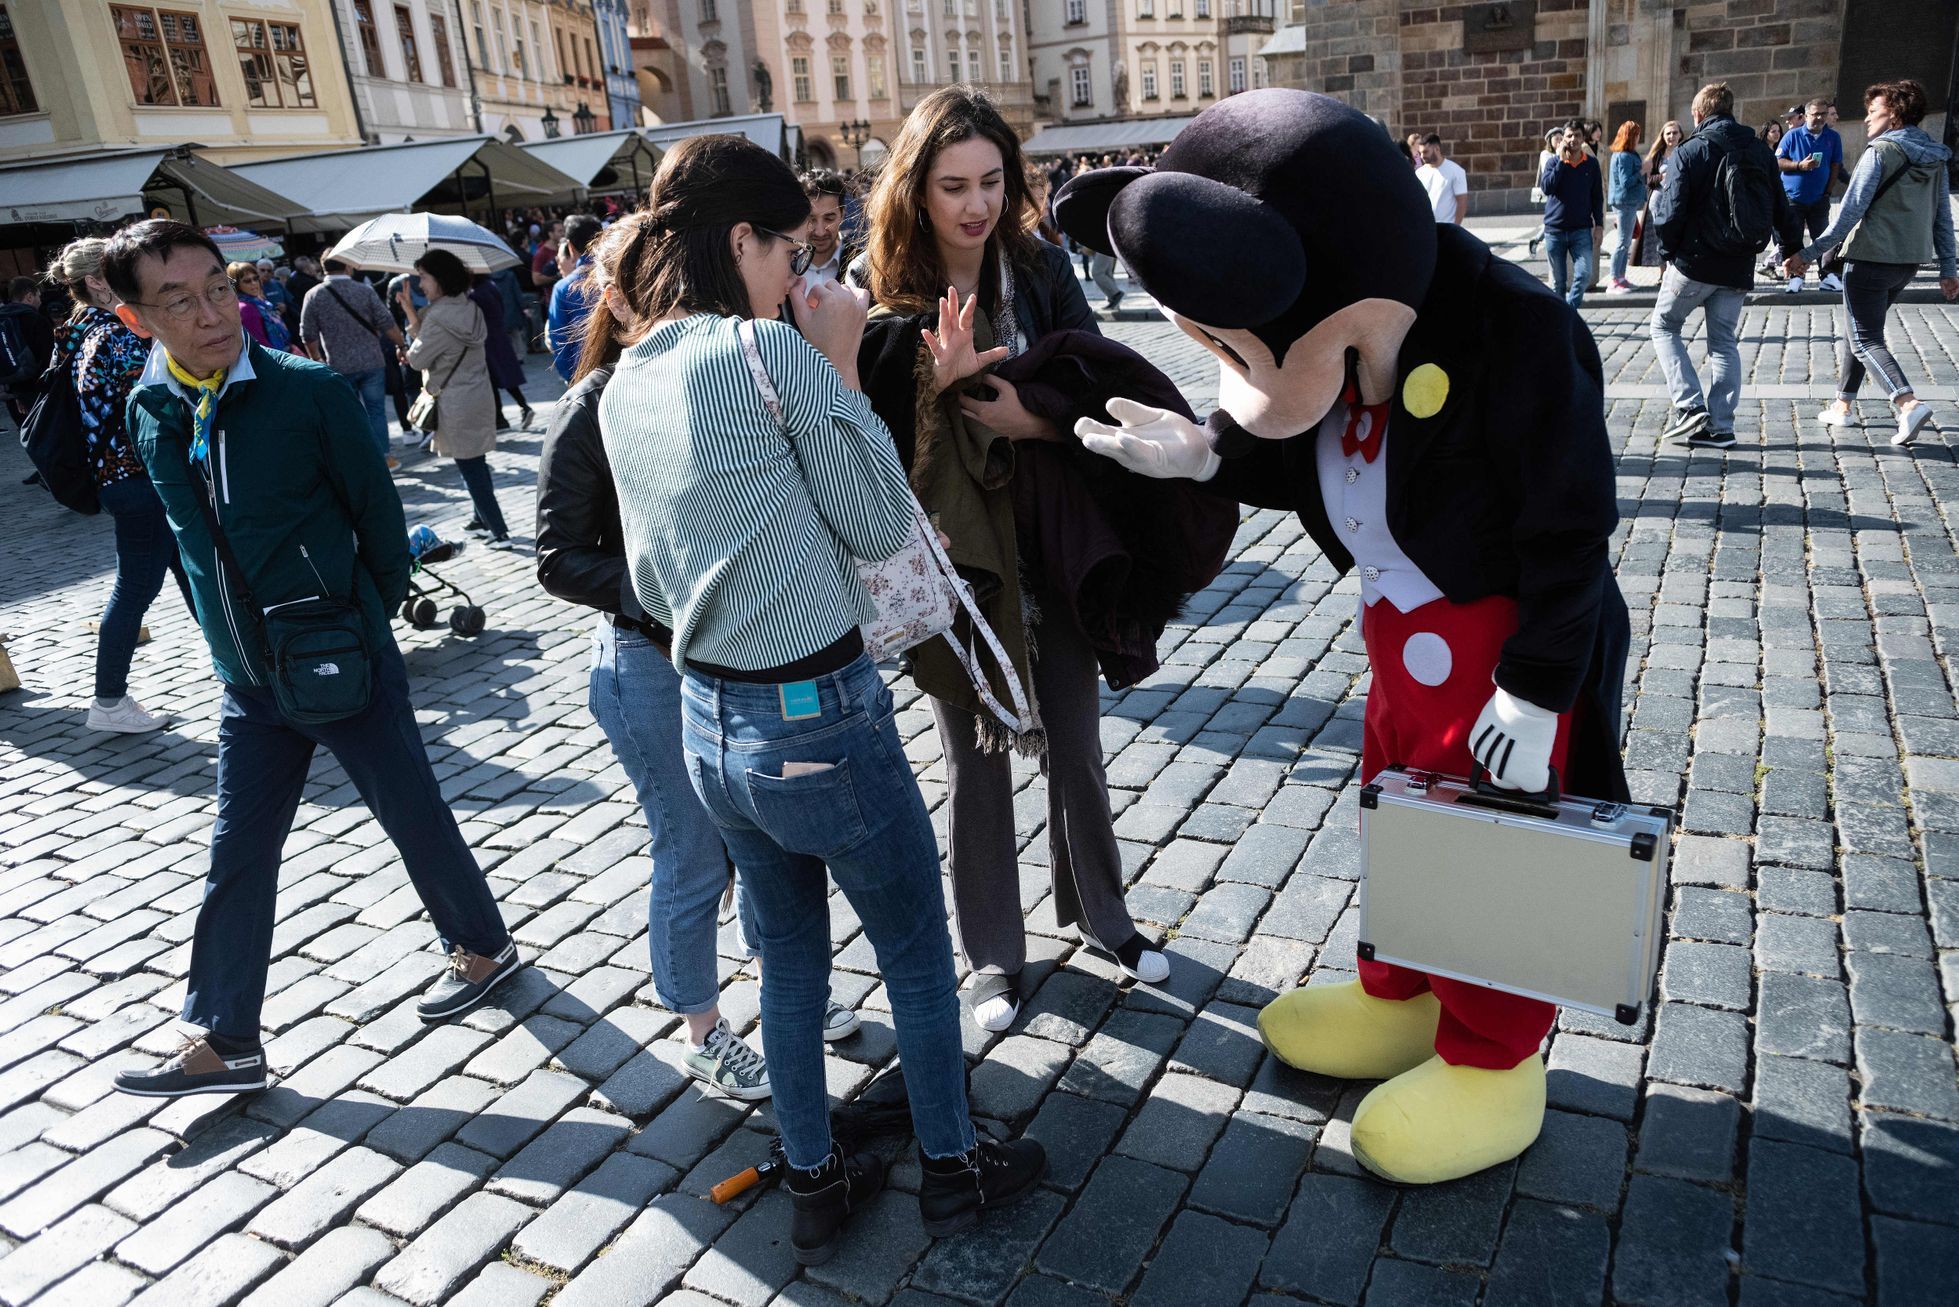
182 308
799 257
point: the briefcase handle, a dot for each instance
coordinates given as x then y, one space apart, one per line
1486 793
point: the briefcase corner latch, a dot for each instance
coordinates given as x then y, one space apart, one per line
1626 1014
1643 846
1364 951
1370 796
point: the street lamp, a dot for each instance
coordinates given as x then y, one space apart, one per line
550 121
584 121
855 134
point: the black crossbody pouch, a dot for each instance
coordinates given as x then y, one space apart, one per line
315 648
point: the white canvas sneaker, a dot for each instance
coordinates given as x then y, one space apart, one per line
125 716
1831 282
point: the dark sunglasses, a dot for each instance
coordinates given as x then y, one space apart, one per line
799 257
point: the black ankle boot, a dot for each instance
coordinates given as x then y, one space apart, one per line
955 1188
826 1197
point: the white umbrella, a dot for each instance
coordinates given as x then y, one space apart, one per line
393 241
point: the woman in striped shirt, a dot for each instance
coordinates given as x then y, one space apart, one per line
742 511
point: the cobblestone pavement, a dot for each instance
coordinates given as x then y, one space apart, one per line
1786 1131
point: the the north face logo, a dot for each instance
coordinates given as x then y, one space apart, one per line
326 669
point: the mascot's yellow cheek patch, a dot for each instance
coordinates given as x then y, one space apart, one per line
1425 390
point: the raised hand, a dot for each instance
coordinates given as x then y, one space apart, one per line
831 317
953 356
1152 441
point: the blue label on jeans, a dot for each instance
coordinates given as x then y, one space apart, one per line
800 700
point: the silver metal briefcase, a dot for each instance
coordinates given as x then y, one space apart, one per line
1554 899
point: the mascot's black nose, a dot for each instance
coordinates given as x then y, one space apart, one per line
1228 439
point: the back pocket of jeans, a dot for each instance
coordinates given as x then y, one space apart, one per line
815 813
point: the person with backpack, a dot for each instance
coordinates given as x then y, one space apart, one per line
1721 205
103 359
26 345
295 544
1896 217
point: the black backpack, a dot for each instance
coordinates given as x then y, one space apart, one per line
1740 214
18 366
52 437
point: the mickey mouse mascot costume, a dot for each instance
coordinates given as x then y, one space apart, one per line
1436 418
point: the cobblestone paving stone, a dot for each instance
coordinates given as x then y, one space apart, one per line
1786 1131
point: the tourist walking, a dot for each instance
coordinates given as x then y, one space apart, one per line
1809 156
956 166
451 338
750 471
1625 196
26 345
283 506
1719 208
1444 180
344 325
1574 213
105 359
1646 245
1895 218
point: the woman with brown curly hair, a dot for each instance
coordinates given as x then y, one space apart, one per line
961 283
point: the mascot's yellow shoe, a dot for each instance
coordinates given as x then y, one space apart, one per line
1441 1122
1341 1030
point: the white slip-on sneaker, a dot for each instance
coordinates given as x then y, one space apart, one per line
1795 286
1832 416
996 1000
1831 282
1910 421
125 717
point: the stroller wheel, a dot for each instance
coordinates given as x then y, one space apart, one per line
466 620
421 613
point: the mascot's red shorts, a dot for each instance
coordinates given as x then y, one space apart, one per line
1432 670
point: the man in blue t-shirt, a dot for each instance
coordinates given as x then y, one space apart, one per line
1809 157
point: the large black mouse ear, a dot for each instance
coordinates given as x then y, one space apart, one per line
1207 250
1081 206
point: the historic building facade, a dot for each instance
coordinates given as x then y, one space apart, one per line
245 81
1490 78
405 60
1100 59
846 72
537 68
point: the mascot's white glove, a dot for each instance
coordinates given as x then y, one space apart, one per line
1512 738
1151 441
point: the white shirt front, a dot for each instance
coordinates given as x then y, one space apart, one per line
1443 182
818 273
1355 495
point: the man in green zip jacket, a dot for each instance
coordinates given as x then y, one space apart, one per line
277 449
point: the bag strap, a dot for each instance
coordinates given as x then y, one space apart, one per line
332 290
1016 720
451 374
1890 181
204 490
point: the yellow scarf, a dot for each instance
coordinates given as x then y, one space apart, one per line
206 413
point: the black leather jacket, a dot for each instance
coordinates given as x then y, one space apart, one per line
581 548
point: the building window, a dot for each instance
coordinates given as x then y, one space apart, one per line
273 59
951 9
1177 79
717 91
16 92
874 74
165 55
370 38
410 55
840 75
708 15
918 74
1077 12
1206 87
836 6
799 72
1203 8
1258 73
1006 63
952 63
439 33
973 73
795 6
1149 80
1145 8
1235 75
592 61
503 54
482 46
1084 92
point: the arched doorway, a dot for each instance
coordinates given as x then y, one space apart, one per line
821 153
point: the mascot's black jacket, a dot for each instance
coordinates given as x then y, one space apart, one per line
1507 489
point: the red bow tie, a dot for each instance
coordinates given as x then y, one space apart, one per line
1377 427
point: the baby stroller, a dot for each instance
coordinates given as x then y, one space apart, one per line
420 609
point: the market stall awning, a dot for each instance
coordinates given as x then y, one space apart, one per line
1094 138
343 188
765 129
603 161
104 185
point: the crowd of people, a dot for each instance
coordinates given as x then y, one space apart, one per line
764 368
